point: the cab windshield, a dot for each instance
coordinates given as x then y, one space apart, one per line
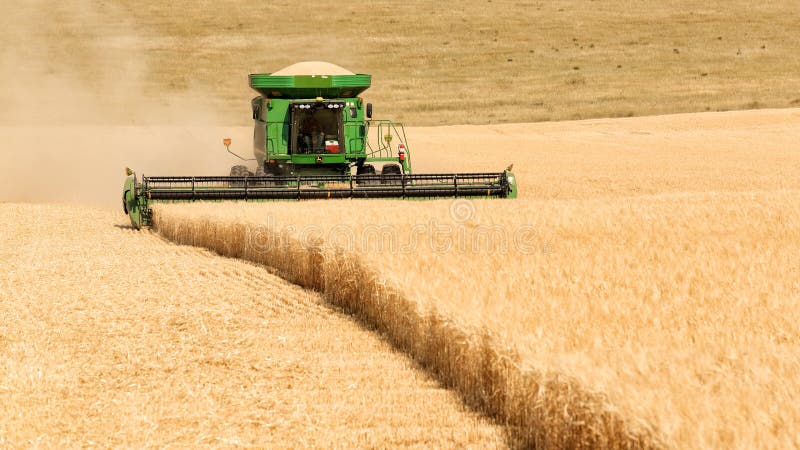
316 128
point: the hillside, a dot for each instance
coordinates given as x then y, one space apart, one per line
486 61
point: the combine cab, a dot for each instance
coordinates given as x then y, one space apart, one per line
312 141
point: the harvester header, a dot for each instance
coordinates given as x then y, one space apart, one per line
315 138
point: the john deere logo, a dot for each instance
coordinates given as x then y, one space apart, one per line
319 159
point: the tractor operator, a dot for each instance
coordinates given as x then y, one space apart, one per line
311 136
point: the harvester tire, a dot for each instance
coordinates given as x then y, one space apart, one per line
365 169
239 171
260 172
391 174
391 169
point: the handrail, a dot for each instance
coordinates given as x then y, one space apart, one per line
385 148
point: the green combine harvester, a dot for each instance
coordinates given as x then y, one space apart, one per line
312 141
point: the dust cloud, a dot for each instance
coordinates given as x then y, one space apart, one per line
78 108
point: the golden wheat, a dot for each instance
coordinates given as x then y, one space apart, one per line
111 337
664 318
659 320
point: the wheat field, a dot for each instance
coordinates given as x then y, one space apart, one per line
658 317
111 337
641 293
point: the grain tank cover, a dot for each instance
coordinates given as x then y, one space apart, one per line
309 86
310 79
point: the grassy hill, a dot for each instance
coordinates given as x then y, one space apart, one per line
484 61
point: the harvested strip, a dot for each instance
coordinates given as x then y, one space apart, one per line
122 339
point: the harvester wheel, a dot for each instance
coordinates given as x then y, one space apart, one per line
391 174
261 172
239 171
366 169
392 169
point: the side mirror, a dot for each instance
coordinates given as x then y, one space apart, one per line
369 110
256 106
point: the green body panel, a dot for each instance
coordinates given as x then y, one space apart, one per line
319 159
512 182
132 203
277 127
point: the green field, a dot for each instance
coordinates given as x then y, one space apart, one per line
433 63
